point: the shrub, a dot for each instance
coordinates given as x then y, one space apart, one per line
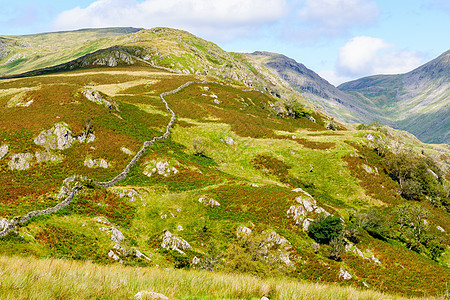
324 229
373 221
337 247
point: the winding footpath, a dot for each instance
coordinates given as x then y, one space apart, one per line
84 182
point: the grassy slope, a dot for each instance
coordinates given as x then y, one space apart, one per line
225 174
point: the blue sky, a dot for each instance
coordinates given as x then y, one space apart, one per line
339 39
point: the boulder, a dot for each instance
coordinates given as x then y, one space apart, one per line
126 151
3 150
344 274
149 295
243 231
228 140
58 137
20 161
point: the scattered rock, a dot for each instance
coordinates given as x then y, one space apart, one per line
228 140
216 101
209 202
86 138
254 185
3 150
160 167
172 242
126 151
180 228
58 137
344 274
243 231
132 194
440 229
149 295
20 161
96 163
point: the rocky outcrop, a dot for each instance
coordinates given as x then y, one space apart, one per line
208 201
58 137
20 161
97 97
118 251
172 242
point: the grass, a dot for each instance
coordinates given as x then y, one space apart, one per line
30 278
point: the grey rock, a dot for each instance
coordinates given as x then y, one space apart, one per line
297 213
43 156
149 295
243 231
58 137
20 161
126 151
228 140
172 242
3 150
96 97
344 274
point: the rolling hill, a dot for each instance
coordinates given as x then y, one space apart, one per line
156 149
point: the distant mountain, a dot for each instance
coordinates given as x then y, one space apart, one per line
417 101
313 87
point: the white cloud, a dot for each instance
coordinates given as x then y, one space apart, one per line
336 17
226 18
364 55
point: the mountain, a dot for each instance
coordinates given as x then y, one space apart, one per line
417 101
312 87
158 149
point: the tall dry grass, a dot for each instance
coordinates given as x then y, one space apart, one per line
31 278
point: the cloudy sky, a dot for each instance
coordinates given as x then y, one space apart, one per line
339 39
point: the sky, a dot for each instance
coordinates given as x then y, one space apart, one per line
341 40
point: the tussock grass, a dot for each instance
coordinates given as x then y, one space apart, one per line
30 278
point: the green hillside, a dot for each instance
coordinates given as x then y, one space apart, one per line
248 179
